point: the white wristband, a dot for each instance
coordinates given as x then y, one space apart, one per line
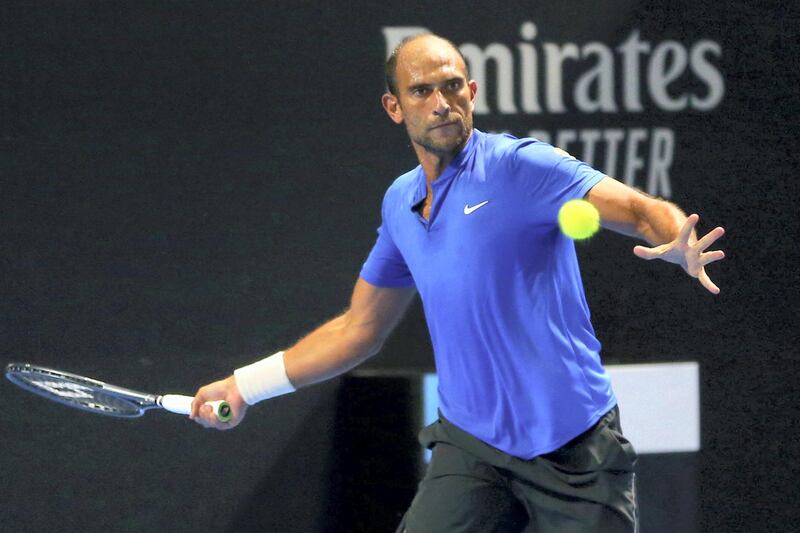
263 379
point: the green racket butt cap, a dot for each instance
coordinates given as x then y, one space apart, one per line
224 411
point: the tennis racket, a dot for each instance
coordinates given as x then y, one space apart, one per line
101 398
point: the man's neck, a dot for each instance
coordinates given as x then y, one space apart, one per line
434 163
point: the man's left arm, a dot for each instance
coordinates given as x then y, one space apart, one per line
662 224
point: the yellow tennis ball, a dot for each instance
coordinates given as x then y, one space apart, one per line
578 219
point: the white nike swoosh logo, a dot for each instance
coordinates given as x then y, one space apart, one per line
468 209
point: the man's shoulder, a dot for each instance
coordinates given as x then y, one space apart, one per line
510 151
401 190
505 144
404 182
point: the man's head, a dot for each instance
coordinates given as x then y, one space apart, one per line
429 90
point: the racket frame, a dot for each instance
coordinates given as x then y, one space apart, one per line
138 401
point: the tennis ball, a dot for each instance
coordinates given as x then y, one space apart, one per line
578 219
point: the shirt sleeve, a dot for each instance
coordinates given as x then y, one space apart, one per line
385 266
551 176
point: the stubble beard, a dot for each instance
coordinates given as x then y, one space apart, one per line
442 146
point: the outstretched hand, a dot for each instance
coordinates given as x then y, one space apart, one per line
688 254
225 389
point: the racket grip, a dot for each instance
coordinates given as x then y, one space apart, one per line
182 405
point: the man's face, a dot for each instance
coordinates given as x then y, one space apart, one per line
434 98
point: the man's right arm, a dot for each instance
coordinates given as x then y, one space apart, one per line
349 339
330 350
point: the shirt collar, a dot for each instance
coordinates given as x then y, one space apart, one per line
419 190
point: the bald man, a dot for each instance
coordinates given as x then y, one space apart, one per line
529 436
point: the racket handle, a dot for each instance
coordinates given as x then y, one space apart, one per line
182 405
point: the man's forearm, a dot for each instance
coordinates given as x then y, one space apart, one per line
330 350
659 221
635 213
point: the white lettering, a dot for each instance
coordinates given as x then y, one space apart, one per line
630 51
476 58
601 75
530 69
555 56
592 89
668 63
662 149
589 138
628 145
666 69
708 73
612 137
632 160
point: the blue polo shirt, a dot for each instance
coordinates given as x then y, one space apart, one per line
517 358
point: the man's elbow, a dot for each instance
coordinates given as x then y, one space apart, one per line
373 344
364 342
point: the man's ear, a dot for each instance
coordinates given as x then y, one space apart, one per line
392 106
473 90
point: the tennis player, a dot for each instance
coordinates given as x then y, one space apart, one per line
529 432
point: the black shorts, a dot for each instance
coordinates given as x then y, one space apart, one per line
587 485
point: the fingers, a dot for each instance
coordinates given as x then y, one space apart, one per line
692 257
710 257
208 419
198 401
709 238
204 416
202 395
641 251
201 413
219 390
648 253
688 227
706 282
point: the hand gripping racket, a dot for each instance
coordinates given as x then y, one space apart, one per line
95 396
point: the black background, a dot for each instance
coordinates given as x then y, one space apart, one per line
189 186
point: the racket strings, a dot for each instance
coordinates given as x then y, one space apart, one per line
75 391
